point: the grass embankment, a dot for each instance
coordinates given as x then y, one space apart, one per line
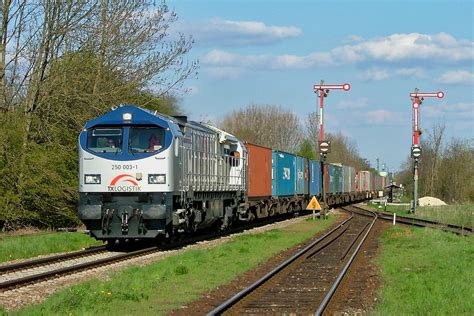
27 246
426 271
176 280
460 214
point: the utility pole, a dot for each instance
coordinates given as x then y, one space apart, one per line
322 90
417 98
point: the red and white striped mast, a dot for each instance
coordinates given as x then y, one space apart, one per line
417 98
324 146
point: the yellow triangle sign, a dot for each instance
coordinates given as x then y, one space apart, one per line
314 205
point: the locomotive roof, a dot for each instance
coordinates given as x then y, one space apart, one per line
140 116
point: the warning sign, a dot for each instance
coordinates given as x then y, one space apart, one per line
314 205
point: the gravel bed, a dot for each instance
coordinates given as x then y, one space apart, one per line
55 266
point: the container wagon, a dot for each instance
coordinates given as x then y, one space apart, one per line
315 178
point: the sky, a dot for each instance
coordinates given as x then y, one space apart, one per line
272 52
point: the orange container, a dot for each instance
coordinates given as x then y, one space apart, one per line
259 171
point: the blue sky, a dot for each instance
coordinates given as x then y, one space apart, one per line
272 52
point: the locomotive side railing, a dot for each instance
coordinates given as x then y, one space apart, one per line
204 171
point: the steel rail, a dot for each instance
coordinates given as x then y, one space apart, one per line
74 268
419 222
49 259
237 297
341 275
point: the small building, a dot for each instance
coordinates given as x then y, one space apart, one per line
390 188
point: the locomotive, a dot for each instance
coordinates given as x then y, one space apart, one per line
146 175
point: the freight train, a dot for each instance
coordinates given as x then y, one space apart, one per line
146 175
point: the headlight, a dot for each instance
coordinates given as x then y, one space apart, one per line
156 179
92 178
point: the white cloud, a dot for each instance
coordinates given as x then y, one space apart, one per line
225 72
460 111
381 117
399 47
374 74
236 33
462 77
352 104
264 61
394 49
378 74
411 72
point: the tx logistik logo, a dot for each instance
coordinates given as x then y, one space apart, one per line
124 183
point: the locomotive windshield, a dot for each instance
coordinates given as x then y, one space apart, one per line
105 139
146 139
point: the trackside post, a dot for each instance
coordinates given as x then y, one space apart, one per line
417 98
322 90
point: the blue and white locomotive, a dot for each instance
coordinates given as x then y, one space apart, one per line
147 175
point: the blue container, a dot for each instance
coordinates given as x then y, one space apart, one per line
335 182
314 177
301 175
283 174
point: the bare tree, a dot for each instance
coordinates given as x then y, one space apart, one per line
435 140
312 129
266 125
5 11
457 172
344 151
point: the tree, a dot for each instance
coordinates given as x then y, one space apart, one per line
344 151
445 170
266 125
312 129
306 150
69 61
456 172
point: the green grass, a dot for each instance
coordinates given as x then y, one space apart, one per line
426 271
460 214
176 280
27 246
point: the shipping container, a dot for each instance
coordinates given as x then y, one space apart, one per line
335 173
259 171
283 174
314 177
348 179
327 179
301 175
380 183
357 181
353 180
364 181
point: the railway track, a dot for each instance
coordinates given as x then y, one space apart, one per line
16 275
306 282
459 230
61 265
8 268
